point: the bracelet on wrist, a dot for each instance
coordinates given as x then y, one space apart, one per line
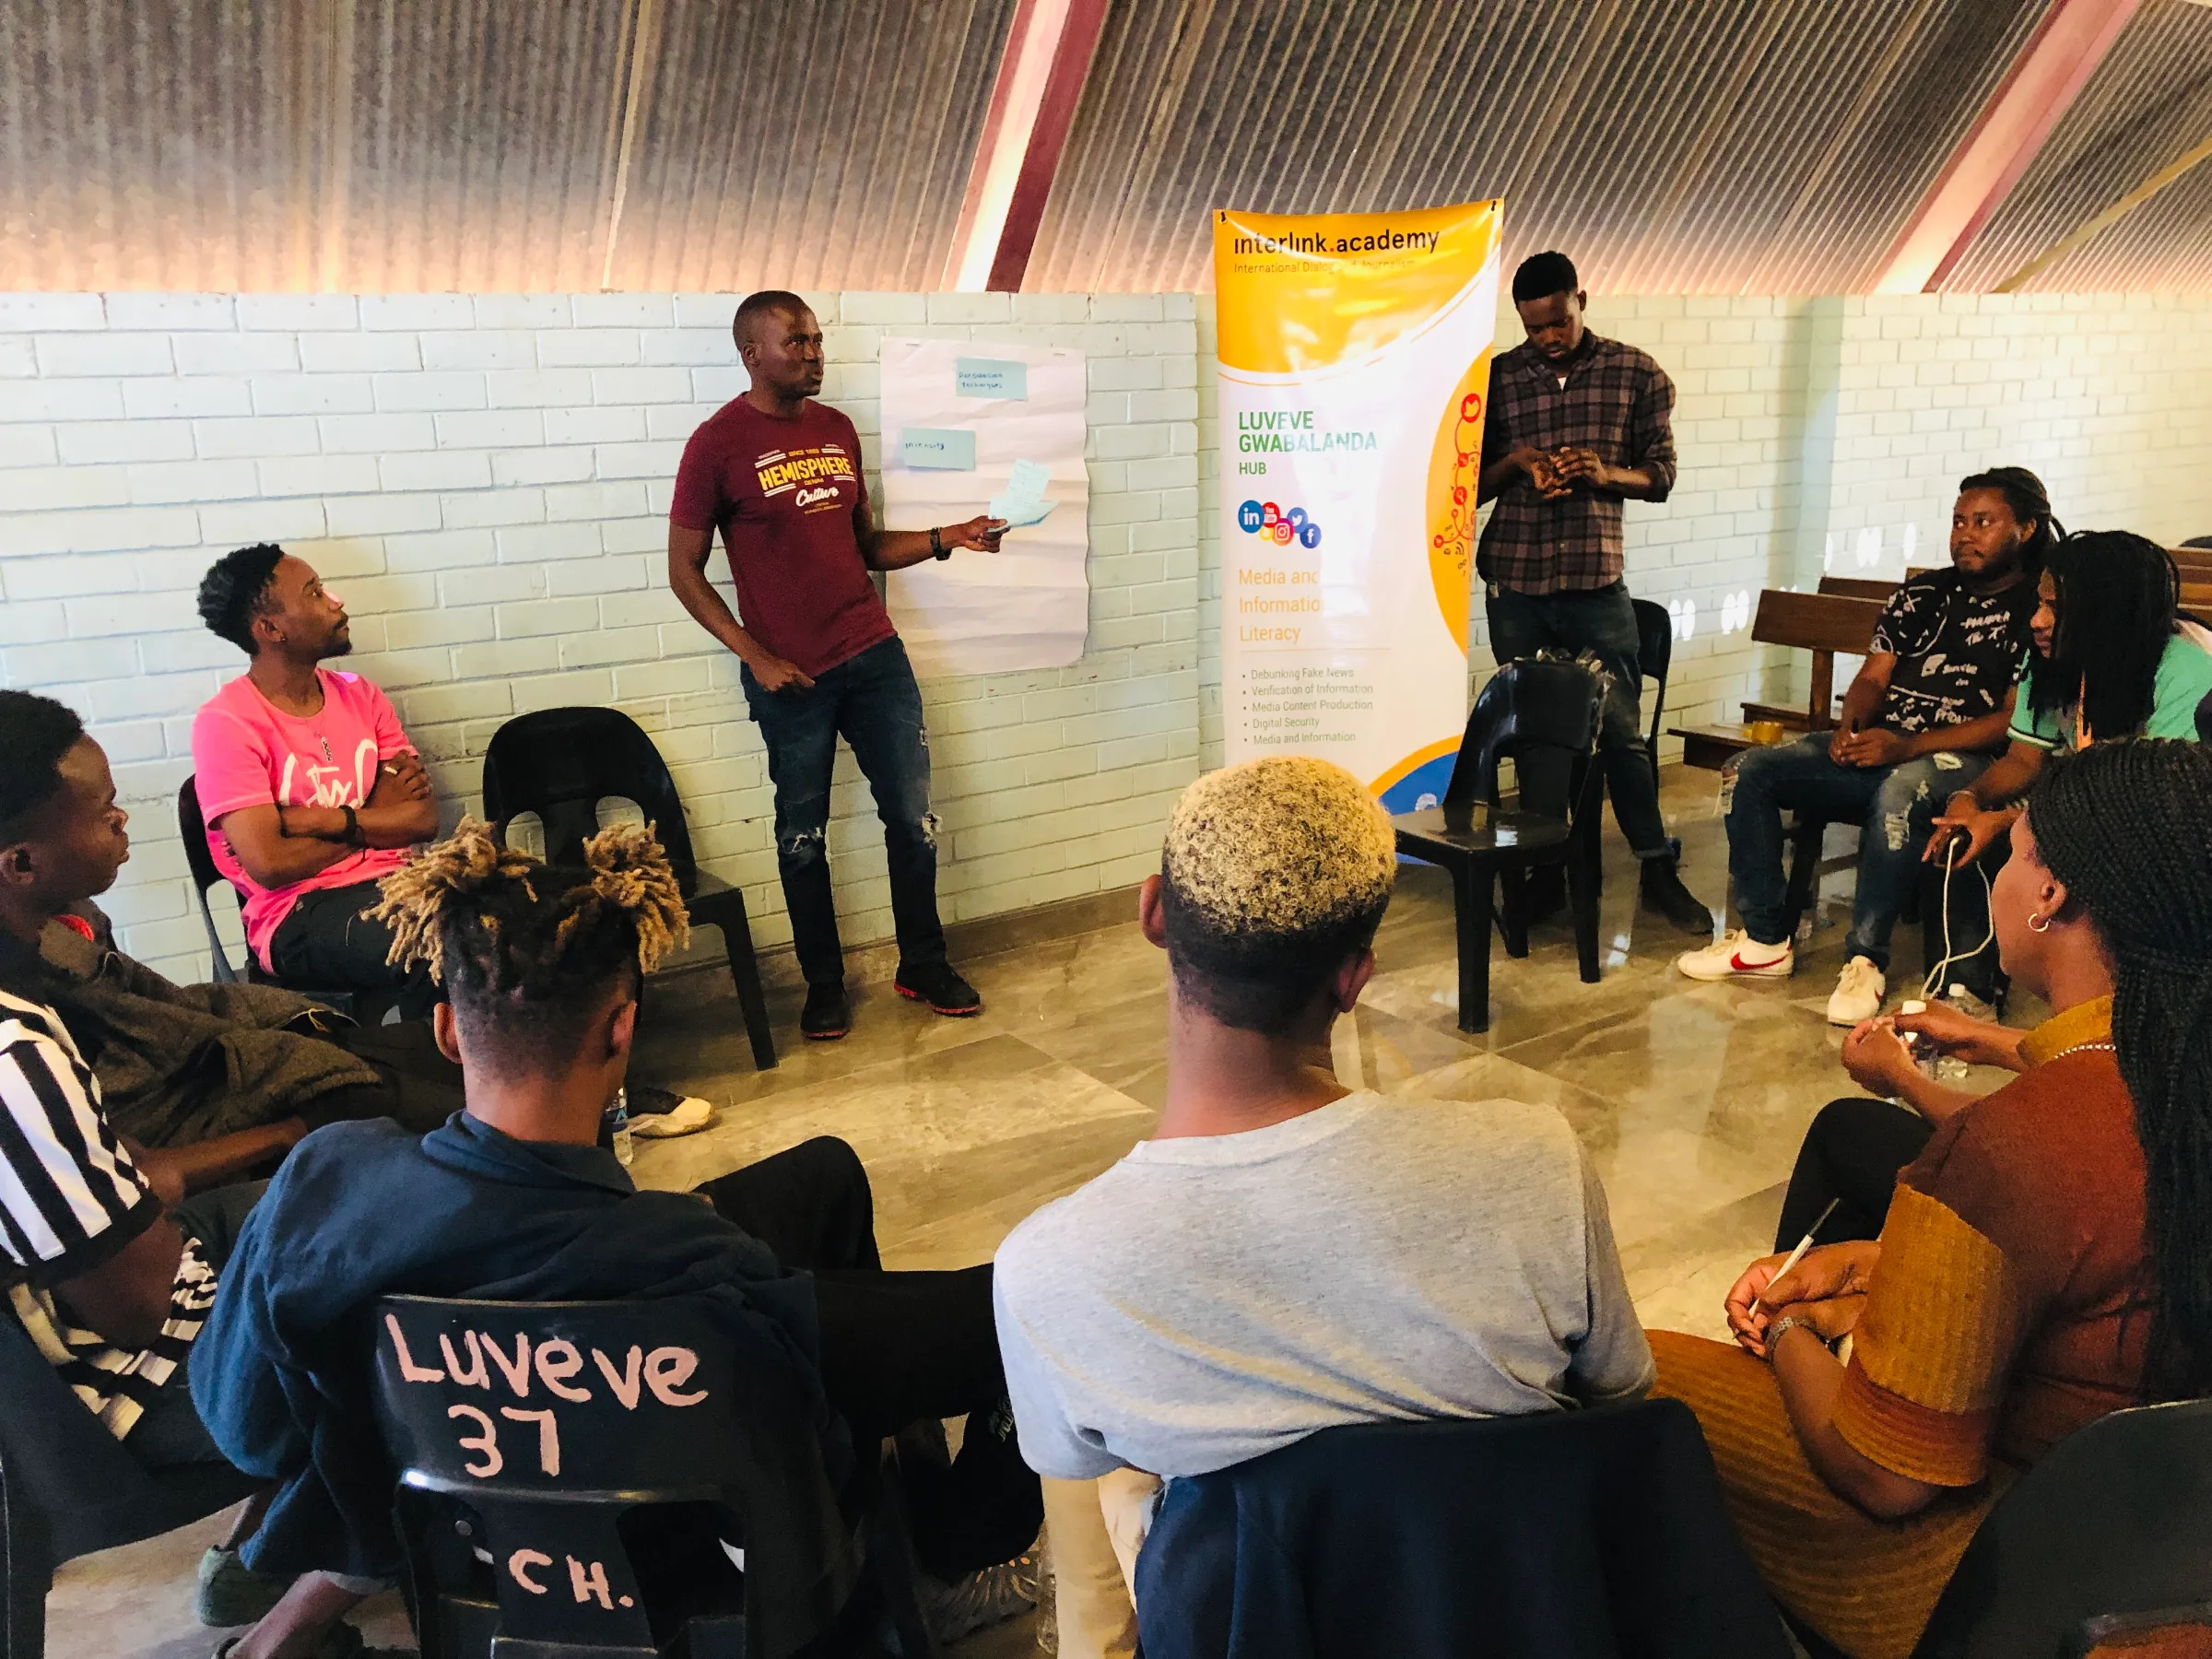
353 828
937 549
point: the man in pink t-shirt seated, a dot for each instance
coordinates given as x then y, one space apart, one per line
311 790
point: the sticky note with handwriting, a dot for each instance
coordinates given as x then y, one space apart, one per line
937 449
991 377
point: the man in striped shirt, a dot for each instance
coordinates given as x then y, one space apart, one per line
109 1266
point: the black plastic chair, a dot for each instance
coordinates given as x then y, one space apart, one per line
2109 1536
1576 1534
1531 709
1654 658
585 1501
561 763
67 1488
366 1006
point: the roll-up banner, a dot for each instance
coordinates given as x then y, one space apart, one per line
1355 355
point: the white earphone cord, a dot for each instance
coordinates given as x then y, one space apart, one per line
1928 986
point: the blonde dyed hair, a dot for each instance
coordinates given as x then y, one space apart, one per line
1287 844
508 931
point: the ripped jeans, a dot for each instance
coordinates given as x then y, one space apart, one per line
873 702
1894 807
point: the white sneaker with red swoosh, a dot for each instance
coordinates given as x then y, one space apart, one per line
1739 955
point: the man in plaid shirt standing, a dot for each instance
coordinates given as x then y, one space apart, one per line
1576 425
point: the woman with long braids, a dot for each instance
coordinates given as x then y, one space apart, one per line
513 1199
2113 657
2046 1260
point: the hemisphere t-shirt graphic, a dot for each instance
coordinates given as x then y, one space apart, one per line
783 494
1958 651
248 752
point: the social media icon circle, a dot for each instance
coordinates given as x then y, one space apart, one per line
1309 535
1297 515
1250 517
1283 533
1269 514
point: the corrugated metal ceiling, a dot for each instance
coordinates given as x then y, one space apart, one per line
1727 146
2150 102
1700 146
477 144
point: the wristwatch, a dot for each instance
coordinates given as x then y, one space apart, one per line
354 838
937 549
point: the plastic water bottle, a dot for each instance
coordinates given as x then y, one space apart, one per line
1729 768
625 1149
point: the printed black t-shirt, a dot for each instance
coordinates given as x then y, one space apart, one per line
1958 651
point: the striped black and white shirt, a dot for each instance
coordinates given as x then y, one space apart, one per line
71 1200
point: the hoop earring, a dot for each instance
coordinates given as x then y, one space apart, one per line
2037 924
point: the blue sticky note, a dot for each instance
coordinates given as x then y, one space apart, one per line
939 449
991 377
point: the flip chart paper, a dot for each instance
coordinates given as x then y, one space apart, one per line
1028 606
944 448
991 377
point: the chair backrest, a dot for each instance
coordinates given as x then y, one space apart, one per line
1528 705
550 1422
1574 1533
1655 643
2112 1529
561 763
193 828
1823 624
68 1486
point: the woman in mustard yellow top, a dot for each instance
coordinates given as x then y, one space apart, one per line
2046 1260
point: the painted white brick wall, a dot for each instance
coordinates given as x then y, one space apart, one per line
484 478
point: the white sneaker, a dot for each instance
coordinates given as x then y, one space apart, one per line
1858 993
661 1113
1739 955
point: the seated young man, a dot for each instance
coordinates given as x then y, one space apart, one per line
514 1200
1925 716
309 788
1285 1256
109 1252
177 1066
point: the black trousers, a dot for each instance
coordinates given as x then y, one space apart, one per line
898 1348
325 941
1852 1154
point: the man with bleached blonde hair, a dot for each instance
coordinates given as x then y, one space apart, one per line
1285 1254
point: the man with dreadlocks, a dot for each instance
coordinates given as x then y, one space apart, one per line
2046 1259
1926 712
514 1200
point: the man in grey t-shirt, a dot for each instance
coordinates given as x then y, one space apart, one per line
1283 1256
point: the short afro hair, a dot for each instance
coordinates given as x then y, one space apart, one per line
1275 873
35 732
760 305
235 591
1543 274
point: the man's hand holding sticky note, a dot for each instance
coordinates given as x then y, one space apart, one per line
1023 500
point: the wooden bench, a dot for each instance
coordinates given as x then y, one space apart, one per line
1858 587
1827 625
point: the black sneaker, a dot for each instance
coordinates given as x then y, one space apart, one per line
941 988
827 1014
1660 888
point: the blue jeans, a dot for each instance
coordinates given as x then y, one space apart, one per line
872 701
1603 621
1894 807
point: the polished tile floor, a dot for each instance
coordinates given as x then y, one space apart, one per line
1692 1098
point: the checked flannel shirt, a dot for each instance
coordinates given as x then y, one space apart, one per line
1617 401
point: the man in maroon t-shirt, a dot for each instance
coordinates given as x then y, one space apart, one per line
779 476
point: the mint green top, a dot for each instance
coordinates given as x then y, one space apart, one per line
2184 680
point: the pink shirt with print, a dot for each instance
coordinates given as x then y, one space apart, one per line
248 752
